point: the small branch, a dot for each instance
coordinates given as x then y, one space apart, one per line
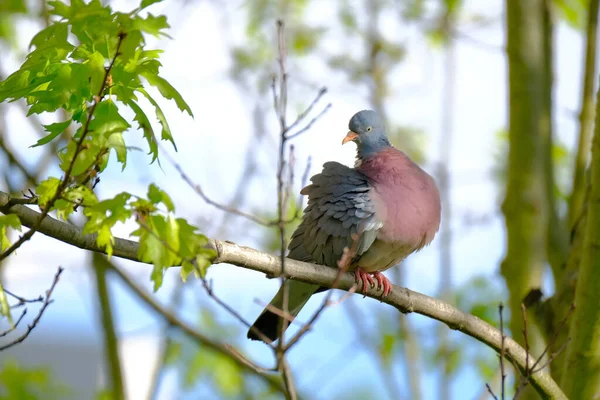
311 123
200 192
288 379
490 391
305 113
502 348
31 327
106 319
343 264
12 328
23 300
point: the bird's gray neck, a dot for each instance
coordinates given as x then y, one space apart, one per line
367 150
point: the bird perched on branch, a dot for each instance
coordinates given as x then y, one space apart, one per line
385 208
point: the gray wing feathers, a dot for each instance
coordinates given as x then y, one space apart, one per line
339 206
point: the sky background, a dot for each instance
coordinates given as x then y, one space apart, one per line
212 146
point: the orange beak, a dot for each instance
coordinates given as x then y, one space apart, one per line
349 137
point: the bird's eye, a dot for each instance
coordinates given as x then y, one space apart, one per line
369 129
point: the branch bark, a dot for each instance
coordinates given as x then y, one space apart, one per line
403 299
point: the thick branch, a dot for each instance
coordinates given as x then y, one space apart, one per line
227 252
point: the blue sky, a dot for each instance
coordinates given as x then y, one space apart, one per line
212 145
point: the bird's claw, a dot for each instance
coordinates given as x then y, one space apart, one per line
383 282
365 277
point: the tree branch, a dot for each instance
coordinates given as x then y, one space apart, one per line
402 299
111 342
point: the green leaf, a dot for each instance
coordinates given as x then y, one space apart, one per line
107 119
146 3
97 71
166 131
151 24
8 221
172 353
5 307
103 215
144 124
186 269
54 130
168 91
159 244
46 190
115 141
157 195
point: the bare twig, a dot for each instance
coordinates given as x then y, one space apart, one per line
502 348
36 320
288 379
16 324
23 300
529 371
305 113
343 264
79 147
280 109
490 391
198 189
311 123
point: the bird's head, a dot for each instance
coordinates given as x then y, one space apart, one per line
368 132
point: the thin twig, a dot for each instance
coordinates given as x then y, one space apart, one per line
490 391
281 108
502 350
311 123
200 192
12 328
343 264
32 326
23 300
288 379
530 371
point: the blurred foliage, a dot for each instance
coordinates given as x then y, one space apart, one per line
561 162
9 9
202 367
573 11
19 383
293 216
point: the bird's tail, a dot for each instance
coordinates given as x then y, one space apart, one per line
269 323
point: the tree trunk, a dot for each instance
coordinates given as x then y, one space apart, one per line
581 376
525 206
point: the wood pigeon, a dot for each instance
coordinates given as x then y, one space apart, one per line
386 202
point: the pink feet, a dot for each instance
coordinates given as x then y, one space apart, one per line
382 281
365 277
